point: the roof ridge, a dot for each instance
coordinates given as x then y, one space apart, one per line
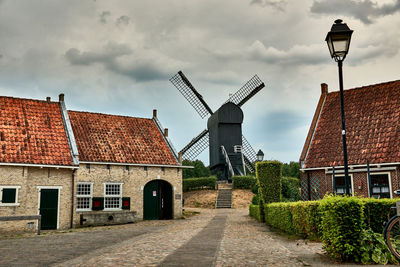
30 99
107 114
366 86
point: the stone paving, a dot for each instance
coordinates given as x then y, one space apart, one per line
224 237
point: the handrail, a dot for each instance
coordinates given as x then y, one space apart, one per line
228 162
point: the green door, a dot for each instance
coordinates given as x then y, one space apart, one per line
157 200
151 201
49 208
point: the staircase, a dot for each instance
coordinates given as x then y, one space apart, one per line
224 198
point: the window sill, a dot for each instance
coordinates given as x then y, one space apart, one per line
9 204
79 210
112 209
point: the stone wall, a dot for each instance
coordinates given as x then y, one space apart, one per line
134 181
29 178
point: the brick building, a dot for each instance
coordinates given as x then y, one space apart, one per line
373 140
81 168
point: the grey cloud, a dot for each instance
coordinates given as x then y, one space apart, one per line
365 10
278 4
115 58
123 20
104 16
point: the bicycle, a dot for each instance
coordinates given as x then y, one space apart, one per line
391 232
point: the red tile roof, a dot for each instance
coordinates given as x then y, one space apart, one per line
372 127
32 132
119 139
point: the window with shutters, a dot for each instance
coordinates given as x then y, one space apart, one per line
84 194
112 196
9 195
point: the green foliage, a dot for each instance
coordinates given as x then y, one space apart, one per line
306 219
254 189
255 200
290 189
269 176
300 218
244 182
373 249
377 211
279 215
291 169
199 169
199 183
254 211
342 226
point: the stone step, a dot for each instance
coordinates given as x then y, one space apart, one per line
224 198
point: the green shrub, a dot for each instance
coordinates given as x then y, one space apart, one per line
199 183
255 200
244 182
290 189
342 226
269 175
254 189
254 211
306 219
373 249
279 215
377 211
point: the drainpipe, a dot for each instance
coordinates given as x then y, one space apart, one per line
72 198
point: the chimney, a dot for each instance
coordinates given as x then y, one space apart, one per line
48 99
61 97
180 157
324 89
154 113
166 132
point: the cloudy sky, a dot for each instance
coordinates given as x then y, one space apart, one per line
117 57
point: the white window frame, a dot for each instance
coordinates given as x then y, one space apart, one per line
16 187
113 196
390 182
342 175
84 196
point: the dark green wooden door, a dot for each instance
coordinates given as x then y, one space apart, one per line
49 208
151 201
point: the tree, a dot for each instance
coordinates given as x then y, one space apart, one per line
199 169
291 169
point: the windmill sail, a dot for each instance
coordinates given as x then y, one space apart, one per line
250 155
252 87
190 93
196 146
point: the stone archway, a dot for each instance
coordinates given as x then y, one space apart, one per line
157 200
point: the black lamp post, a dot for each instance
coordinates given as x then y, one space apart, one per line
260 155
338 40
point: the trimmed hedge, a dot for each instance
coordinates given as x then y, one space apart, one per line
243 182
279 215
269 175
199 183
376 211
342 227
345 225
254 211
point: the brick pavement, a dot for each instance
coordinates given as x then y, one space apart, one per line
225 237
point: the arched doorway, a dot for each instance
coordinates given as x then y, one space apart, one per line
157 200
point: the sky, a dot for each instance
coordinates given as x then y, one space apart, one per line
116 57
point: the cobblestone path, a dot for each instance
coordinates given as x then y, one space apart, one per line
224 237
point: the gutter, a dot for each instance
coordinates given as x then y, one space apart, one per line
137 164
39 165
72 198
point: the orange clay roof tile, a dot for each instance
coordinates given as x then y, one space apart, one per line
32 132
372 127
119 139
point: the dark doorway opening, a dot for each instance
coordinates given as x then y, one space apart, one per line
49 208
157 200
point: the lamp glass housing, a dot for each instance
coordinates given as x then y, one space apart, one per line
338 40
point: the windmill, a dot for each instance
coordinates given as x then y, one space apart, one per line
230 152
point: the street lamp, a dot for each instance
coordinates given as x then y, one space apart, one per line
260 155
338 40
